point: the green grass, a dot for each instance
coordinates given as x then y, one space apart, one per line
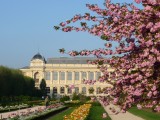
96 113
59 116
145 114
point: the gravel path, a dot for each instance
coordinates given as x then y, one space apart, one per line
120 116
12 113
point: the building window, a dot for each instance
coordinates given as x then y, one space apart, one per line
62 90
98 74
98 90
48 89
69 76
77 90
36 77
62 75
76 75
91 90
47 76
84 90
84 75
54 90
91 76
55 75
69 91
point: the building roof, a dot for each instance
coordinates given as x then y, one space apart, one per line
26 67
38 56
69 60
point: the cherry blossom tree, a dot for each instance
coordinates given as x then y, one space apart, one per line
135 59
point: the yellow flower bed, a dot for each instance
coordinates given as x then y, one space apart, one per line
79 113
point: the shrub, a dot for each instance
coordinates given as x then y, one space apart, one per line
75 96
64 98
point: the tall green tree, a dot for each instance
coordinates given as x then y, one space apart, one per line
14 83
43 87
29 86
5 81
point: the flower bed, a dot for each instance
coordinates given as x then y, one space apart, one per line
45 114
37 114
80 113
14 107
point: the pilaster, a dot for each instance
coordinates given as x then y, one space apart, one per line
58 77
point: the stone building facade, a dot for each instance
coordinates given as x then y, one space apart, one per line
62 72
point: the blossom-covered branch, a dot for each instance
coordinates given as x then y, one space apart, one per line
136 59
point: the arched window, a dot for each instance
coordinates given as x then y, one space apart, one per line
84 90
98 91
62 90
69 91
77 90
36 77
48 89
55 90
91 90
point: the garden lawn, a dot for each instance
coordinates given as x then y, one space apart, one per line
59 116
145 114
96 113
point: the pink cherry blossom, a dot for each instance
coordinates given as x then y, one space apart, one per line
132 51
138 1
139 106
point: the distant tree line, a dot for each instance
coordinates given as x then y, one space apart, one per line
13 83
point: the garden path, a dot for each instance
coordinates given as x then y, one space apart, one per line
120 116
7 114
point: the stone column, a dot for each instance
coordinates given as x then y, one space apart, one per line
65 90
87 73
80 77
51 77
80 89
43 74
58 77
51 91
73 77
58 90
65 78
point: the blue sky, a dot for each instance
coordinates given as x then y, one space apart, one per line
26 27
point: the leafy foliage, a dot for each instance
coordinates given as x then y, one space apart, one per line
13 83
65 98
43 87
